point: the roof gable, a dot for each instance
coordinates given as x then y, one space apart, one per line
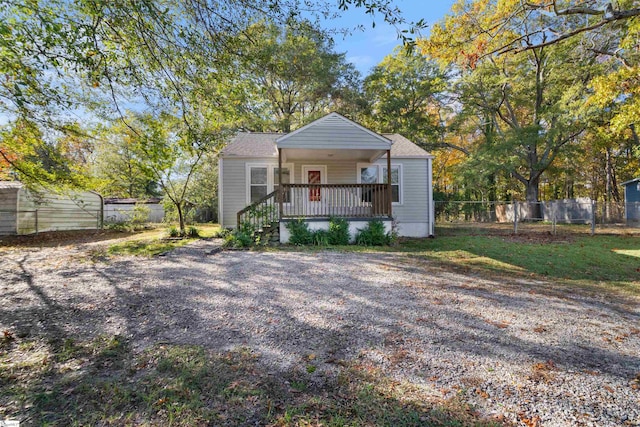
334 131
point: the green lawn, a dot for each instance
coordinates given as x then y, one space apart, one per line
156 241
601 262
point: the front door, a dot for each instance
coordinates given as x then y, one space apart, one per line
314 175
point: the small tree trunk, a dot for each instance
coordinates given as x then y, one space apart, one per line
286 124
181 219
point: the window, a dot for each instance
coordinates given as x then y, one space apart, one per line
377 174
395 182
369 175
258 183
262 179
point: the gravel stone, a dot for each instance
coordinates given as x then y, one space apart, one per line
516 349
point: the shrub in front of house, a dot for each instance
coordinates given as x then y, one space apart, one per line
299 233
338 233
321 238
373 234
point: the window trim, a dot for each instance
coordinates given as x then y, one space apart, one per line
270 181
381 167
248 179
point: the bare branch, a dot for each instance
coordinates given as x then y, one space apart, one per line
452 146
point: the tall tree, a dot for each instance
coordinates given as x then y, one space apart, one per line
117 166
406 95
29 155
63 57
563 20
295 72
533 100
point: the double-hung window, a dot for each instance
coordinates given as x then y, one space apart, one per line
262 179
395 182
377 174
258 183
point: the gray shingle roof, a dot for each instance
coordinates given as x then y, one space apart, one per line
263 145
249 144
402 147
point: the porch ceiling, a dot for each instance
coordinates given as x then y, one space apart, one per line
359 155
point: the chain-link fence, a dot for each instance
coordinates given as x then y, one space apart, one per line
48 219
557 216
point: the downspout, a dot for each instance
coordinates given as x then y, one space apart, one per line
280 191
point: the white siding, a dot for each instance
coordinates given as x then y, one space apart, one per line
414 211
234 187
415 181
8 205
338 172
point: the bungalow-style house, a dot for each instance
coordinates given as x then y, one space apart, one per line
332 167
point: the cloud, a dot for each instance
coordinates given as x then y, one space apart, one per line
362 62
385 36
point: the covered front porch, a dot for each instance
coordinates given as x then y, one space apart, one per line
319 201
324 179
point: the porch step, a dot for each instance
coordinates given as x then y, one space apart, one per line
269 233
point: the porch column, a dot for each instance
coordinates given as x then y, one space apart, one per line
389 192
280 192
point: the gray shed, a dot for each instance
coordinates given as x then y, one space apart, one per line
632 200
25 212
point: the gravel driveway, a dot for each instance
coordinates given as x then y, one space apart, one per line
516 349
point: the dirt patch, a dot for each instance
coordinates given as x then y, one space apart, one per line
60 238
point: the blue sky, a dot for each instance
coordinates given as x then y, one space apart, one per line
365 49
